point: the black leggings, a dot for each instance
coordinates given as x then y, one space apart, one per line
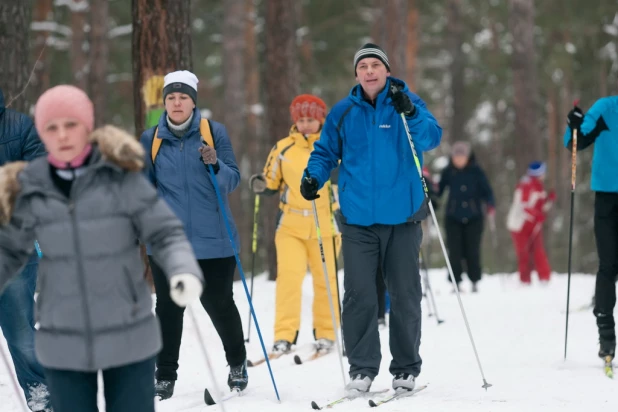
217 299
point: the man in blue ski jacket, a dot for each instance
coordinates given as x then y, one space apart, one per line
382 205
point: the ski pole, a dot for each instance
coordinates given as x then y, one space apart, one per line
328 291
430 290
242 275
256 210
435 221
573 178
14 383
207 394
334 225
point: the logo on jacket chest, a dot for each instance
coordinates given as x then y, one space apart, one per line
385 126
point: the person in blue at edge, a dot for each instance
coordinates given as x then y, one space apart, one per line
600 126
20 141
382 206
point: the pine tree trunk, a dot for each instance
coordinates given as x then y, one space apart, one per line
99 55
234 103
253 129
456 129
43 12
15 18
525 84
412 46
161 44
79 40
281 88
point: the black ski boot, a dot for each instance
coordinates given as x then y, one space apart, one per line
164 389
238 377
607 341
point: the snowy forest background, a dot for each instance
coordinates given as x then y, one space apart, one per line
501 74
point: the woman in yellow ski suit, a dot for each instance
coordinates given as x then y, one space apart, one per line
296 237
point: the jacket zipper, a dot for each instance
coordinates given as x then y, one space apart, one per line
82 281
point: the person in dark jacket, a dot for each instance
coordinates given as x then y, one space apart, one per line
382 204
88 203
470 198
19 141
181 174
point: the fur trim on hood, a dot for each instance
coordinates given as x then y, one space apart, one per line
9 189
119 147
115 145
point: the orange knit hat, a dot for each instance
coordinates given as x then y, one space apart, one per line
308 105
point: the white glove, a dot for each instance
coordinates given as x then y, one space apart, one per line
185 288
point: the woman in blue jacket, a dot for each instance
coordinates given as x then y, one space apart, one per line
180 171
470 195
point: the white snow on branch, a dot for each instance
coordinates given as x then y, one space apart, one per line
51 26
120 31
57 43
119 77
75 6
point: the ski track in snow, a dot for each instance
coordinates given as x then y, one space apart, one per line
519 334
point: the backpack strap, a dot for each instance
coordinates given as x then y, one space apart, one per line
205 130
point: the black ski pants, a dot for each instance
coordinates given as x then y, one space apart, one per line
394 249
217 299
463 240
606 235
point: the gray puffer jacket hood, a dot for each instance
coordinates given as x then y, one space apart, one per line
95 307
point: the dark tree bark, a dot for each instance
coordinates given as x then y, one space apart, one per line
281 88
234 105
79 53
412 46
161 44
15 18
525 83
99 55
458 116
390 31
43 12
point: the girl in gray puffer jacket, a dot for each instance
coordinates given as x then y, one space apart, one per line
88 206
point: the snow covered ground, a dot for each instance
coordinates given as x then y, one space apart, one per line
519 333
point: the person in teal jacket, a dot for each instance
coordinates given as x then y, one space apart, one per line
600 126
181 174
382 204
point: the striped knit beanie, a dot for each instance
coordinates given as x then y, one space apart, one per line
371 50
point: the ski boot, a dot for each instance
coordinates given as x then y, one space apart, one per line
358 384
607 341
164 389
324 345
281 347
238 377
404 381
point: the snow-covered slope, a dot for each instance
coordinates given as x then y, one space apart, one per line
519 333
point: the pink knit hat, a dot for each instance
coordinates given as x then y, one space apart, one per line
64 101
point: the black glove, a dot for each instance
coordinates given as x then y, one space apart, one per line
309 187
403 104
575 118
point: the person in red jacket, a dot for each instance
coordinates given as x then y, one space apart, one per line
525 222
